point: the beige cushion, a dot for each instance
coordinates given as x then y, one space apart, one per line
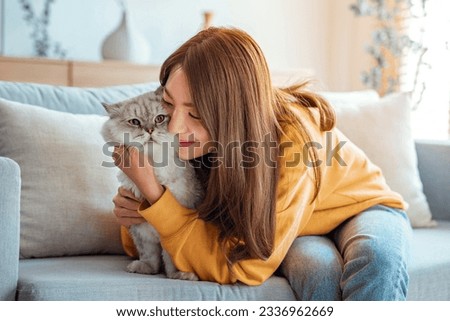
382 129
341 99
66 197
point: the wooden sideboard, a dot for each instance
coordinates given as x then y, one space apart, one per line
103 73
76 73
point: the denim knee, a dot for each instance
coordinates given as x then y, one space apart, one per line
313 267
383 273
375 246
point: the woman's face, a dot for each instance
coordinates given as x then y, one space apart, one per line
184 121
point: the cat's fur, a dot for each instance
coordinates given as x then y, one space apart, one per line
176 175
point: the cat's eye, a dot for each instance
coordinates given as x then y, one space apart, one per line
159 119
135 122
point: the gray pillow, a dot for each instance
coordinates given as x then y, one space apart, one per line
66 195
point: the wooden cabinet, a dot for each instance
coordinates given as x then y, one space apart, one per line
104 73
76 73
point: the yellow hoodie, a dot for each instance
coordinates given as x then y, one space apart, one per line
350 184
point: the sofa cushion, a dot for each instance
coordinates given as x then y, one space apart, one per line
104 278
382 130
66 206
429 269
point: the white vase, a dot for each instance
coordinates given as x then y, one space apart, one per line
126 43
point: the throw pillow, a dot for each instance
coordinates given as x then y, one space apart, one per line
66 195
341 99
382 130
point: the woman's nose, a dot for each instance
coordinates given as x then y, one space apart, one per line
177 123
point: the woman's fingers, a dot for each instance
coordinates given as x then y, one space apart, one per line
128 194
125 208
126 201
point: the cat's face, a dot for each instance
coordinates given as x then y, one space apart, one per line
140 120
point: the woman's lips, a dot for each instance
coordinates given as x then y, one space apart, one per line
185 144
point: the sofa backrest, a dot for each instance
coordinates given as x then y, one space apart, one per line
70 99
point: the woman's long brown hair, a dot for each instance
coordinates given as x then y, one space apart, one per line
231 88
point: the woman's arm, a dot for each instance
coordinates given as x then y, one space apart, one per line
193 243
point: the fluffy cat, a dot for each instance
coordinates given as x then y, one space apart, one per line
142 122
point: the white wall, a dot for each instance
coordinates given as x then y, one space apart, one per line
347 37
288 31
1 27
319 35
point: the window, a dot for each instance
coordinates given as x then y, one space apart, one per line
431 84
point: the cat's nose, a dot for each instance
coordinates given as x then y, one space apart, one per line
149 130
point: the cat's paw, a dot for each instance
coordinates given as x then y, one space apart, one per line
142 267
188 276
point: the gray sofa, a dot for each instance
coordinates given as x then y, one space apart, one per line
102 276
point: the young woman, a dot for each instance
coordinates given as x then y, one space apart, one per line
284 188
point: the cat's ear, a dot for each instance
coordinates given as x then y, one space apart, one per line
159 91
110 108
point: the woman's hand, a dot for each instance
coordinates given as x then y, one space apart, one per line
125 208
138 168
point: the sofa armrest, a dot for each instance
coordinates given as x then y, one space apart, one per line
10 227
434 167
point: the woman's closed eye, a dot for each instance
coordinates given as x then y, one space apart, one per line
193 116
169 106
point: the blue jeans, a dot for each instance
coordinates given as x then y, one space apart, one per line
365 258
